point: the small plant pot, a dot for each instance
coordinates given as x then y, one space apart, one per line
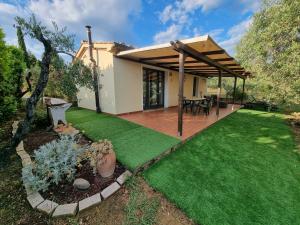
106 166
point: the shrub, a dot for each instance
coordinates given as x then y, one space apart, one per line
41 118
95 153
54 162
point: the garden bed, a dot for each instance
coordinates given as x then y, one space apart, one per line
66 193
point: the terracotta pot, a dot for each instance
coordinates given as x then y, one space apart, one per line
106 166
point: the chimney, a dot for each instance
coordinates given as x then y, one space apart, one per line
95 76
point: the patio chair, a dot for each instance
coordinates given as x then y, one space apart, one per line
206 106
187 104
197 106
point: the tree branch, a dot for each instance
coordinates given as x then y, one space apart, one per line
65 52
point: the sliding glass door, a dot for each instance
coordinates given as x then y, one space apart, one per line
153 85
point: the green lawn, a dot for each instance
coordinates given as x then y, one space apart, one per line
241 171
134 144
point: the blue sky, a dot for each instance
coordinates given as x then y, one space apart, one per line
136 22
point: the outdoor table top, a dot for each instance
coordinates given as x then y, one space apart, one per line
194 99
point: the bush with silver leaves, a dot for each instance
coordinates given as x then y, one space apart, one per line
53 163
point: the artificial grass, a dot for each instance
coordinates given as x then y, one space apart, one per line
242 170
134 144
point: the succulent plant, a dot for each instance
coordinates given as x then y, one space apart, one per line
95 154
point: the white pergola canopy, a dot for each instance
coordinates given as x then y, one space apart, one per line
166 56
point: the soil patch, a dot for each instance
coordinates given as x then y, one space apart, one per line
112 210
37 138
66 193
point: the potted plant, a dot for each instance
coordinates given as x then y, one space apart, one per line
102 158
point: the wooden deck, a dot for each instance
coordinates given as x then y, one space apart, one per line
165 120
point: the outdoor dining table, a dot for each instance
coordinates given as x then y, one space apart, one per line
193 101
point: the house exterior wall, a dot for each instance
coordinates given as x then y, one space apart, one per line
106 84
173 86
129 86
121 84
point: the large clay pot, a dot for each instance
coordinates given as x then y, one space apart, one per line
106 166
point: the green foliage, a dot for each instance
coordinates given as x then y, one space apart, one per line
227 87
270 49
40 118
54 162
11 68
75 76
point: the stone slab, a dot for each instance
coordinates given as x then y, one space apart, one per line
123 177
20 147
110 190
65 210
28 189
47 206
35 199
89 202
26 162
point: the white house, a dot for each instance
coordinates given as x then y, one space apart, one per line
132 80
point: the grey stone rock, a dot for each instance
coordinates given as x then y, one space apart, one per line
81 184
35 199
47 206
110 190
65 210
89 202
123 177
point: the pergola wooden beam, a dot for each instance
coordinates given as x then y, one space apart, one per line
207 66
216 52
189 51
196 61
213 70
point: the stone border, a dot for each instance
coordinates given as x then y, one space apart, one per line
52 208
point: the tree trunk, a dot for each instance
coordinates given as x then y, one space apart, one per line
24 126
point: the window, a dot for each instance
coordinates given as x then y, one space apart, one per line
195 86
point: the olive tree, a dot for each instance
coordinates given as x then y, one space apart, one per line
54 42
270 50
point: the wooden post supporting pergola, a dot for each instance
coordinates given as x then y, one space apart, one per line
187 51
219 92
243 91
180 91
234 89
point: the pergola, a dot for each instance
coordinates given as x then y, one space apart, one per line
200 56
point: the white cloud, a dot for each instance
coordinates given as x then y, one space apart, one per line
235 34
8 8
251 5
181 10
215 33
171 33
180 15
110 19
